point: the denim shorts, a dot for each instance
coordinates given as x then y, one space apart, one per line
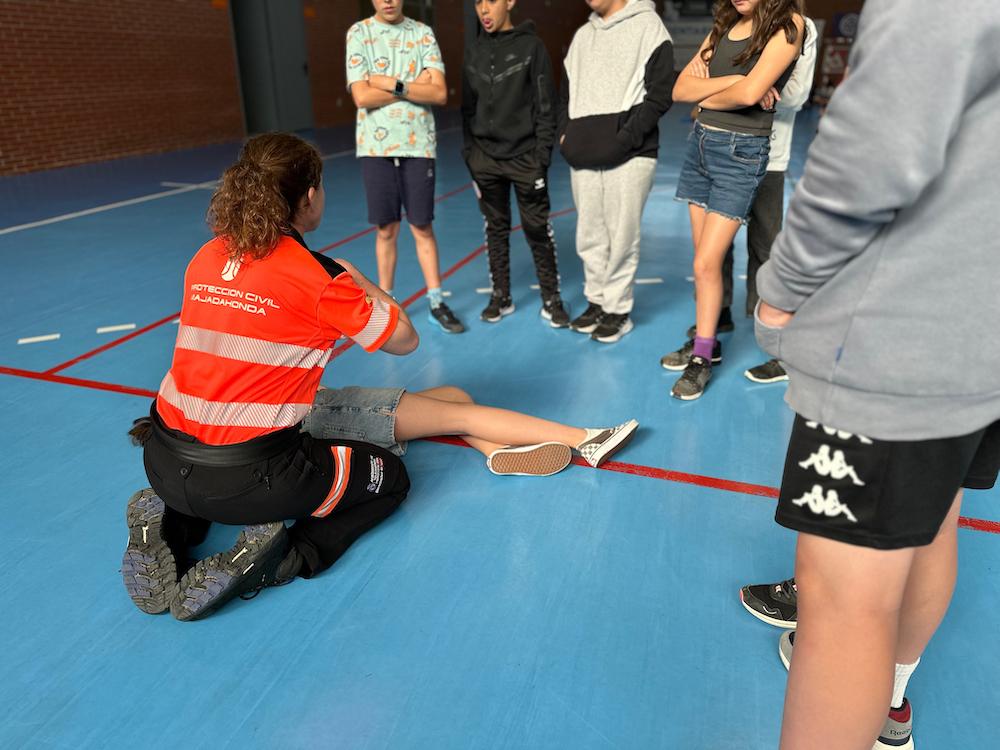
367 415
722 170
392 184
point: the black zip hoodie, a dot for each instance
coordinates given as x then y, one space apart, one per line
509 95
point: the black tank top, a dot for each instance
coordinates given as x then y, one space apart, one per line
754 120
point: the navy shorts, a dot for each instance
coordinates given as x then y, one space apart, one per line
395 184
880 493
722 170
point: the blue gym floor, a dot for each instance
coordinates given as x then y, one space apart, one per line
593 609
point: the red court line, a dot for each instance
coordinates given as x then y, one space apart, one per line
79 382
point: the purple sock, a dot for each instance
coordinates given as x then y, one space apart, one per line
703 348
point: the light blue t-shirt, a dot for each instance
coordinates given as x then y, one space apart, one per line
403 50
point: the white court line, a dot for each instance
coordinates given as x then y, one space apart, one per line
112 329
690 278
653 280
484 290
39 339
535 286
198 185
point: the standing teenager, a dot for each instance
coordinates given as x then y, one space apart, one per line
509 125
395 74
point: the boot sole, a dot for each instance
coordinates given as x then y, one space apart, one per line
530 461
149 569
221 578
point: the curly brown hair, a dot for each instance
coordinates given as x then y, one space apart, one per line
769 17
260 194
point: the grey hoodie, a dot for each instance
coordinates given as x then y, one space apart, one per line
890 257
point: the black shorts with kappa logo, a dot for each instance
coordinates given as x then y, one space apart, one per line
879 493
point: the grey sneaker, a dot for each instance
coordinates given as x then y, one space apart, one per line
589 319
678 360
773 603
769 372
600 445
785 645
251 564
498 307
540 460
149 569
692 383
612 328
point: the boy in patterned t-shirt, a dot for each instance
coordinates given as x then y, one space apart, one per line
395 74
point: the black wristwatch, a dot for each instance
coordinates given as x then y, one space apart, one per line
400 89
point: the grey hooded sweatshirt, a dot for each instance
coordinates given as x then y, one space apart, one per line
890 257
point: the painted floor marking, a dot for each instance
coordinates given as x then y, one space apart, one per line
39 339
651 280
112 329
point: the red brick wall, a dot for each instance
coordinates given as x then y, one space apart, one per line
84 80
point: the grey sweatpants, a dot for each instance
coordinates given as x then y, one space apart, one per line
609 205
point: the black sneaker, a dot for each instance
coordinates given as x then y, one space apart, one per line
773 603
497 308
769 372
149 568
589 320
612 327
251 564
445 319
678 360
691 384
725 324
554 310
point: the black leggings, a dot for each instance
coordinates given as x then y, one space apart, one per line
291 485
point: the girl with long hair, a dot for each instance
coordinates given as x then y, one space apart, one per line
735 78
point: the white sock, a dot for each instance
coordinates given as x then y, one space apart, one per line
903 674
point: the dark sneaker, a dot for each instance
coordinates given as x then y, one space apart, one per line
445 319
540 460
600 445
554 310
250 565
725 324
589 320
497 308
678 360
773 603
611 328
769 372
897 732
149 568
692 383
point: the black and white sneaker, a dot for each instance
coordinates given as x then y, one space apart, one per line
692 383
600 445
678 360
588 320
442 316
554 310
497 308
149 568
773 603
612 328
725 324
261 557
769 372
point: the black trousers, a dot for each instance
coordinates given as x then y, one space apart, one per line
766 214
493 180
290 485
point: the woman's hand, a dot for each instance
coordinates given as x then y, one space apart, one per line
770 100
698 68
772 317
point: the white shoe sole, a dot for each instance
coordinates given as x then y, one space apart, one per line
615 443
546 315
692 397
784 624
542 460
503 311
752 378
617 335
882 746
781 652
680 368
584 329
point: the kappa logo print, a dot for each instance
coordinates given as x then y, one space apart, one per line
540 183
230 270
839 433
825 505
835 466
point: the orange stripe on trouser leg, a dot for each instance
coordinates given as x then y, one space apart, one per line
341 478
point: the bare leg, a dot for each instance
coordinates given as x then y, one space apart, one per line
840 682
427 254
385 254
929 588
716 236
451 411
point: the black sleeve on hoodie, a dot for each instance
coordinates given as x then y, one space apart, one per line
659 80
468 105
562 116
545 104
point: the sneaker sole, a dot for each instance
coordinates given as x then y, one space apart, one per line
680 368
689 397
880 745
755 379
617 335
781 655
218 579
548 316
614 445
530 461
785 624
503 311
584 329
148 570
